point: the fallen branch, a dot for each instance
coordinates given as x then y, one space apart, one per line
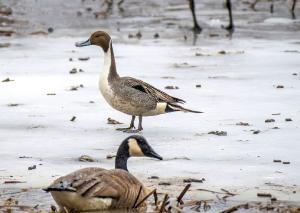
162 208
145 198
155 198
207 190
186 188
137 197
176 208
196 202
235 208
264 195
228 192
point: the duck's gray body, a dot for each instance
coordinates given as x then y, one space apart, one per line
129 95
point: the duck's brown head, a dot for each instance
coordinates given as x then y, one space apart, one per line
99 38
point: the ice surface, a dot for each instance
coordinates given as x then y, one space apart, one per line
238 86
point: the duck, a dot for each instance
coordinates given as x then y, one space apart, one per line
97 189
129 95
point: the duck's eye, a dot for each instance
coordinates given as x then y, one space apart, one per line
97 36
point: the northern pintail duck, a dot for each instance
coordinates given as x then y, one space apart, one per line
93 189
129 95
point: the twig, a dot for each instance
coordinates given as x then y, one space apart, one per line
186 188
207 190
228 192
218 197
225 197
145 198
155 198
176 208
137 197
162 208
206 206
196 202
234 208
264 195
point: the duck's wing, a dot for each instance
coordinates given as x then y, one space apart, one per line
142 86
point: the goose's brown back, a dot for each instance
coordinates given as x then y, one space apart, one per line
119 185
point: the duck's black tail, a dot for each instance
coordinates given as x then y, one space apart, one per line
171 107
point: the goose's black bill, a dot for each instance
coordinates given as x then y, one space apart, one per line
153 154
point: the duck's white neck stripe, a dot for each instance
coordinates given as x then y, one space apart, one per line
104 85
107 63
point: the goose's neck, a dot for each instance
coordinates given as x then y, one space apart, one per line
122 157
110 69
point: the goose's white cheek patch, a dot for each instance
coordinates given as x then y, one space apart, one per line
134 148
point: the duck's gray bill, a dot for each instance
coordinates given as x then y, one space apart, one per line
83 43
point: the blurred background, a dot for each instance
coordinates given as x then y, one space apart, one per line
166 19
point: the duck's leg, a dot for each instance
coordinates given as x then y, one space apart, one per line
230 27
140 128
130 127
121 9
252 5
196 28
293 9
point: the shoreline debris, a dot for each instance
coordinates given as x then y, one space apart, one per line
84 58
218 133
193 180
171 87
269 120
7 80
86 158
242 124
32 167
261 194
113 121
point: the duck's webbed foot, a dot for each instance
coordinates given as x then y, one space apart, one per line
126 128
197 29
140 128
132 130
131 127
229 27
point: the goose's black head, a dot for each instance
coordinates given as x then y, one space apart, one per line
134 146
138 146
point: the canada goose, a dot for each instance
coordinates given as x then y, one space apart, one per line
93 188
129 95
